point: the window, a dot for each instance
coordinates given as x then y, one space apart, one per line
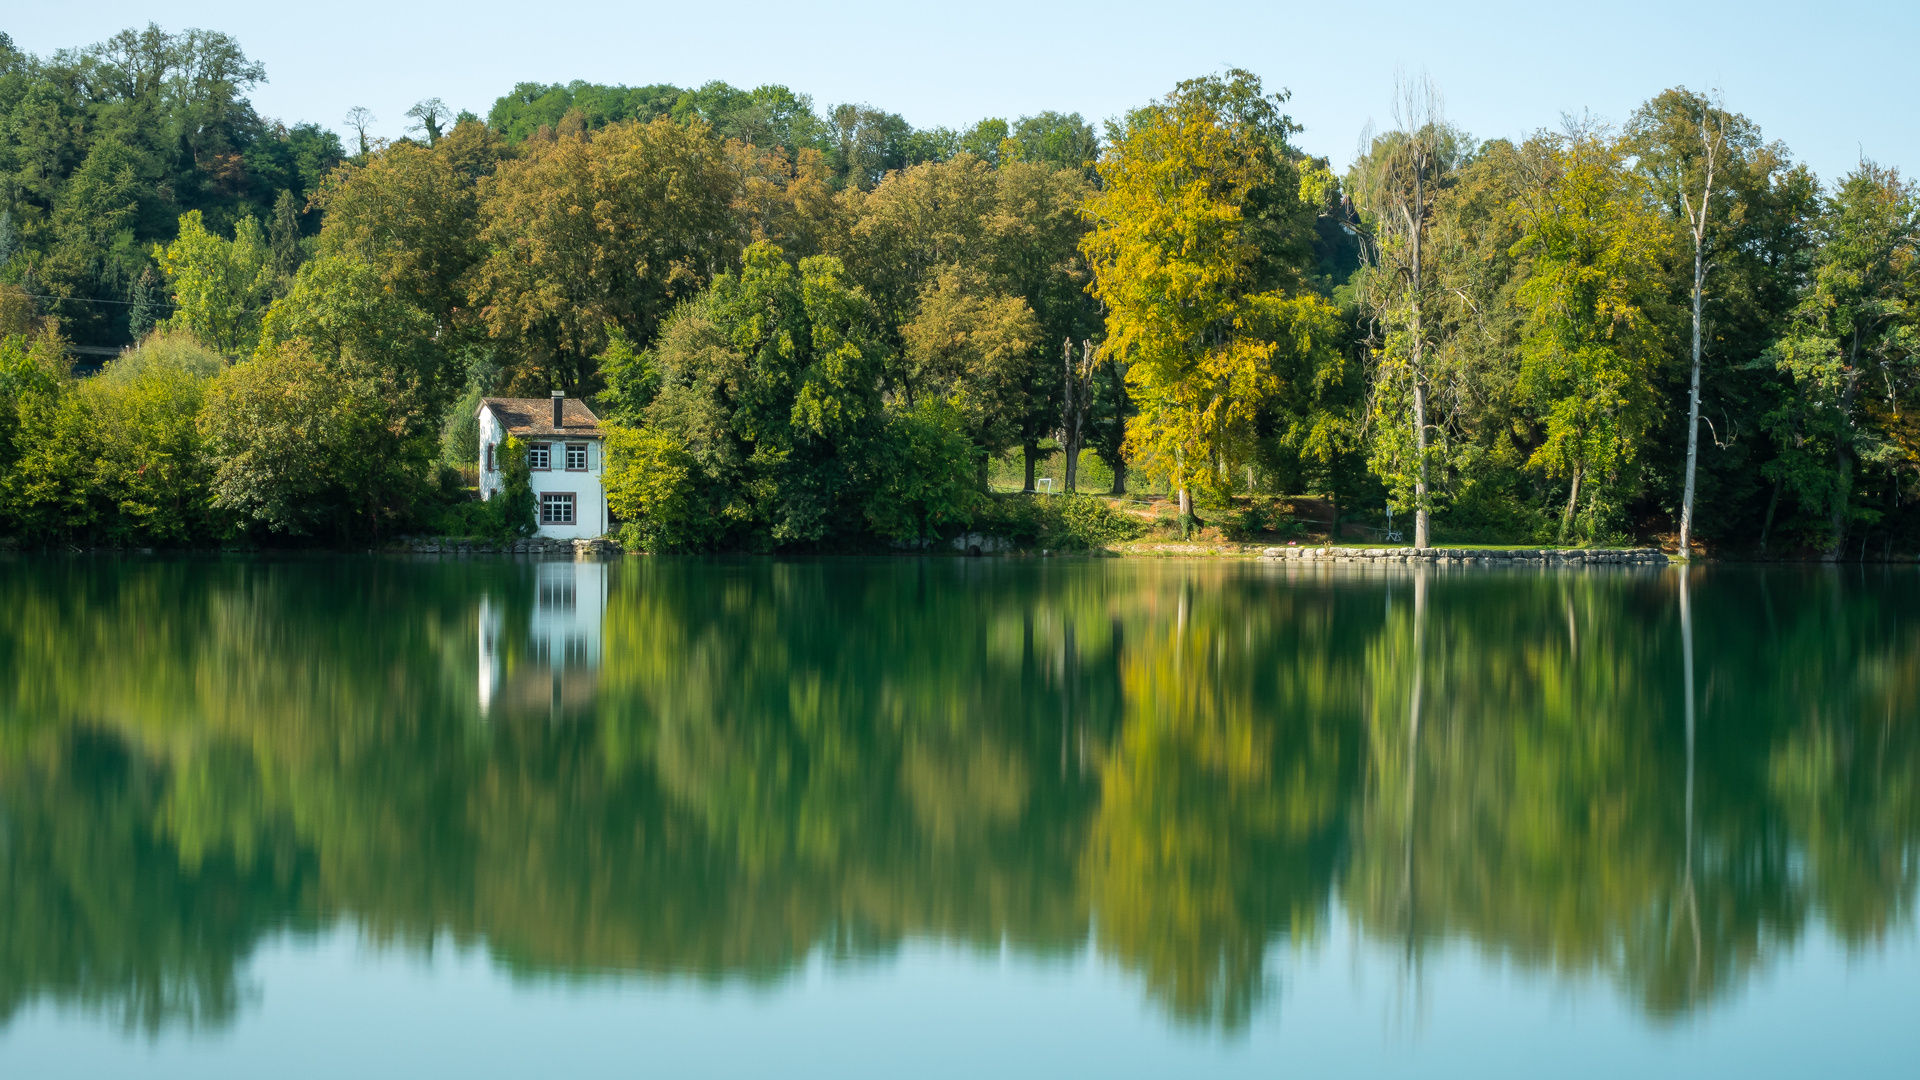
577 457
556 508
490 457
537 456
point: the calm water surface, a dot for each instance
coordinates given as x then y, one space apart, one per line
379 817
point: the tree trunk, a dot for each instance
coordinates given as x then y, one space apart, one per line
1119 477
1070 419
1842 463
1767 526
1186 511
1030 451
1573 499
1693 399
982 462
1420 534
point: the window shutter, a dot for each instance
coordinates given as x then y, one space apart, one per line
593 457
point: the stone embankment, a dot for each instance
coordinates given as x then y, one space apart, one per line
538 546
1472 556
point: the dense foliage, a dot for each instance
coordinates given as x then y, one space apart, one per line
1504 340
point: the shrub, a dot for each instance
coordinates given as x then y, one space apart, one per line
1057 522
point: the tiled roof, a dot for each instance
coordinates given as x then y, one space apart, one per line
534 416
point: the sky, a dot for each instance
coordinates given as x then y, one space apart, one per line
1832 81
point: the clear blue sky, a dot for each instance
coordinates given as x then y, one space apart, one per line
1832 80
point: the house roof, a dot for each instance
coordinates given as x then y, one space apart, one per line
534 416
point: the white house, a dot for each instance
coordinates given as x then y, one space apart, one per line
565 452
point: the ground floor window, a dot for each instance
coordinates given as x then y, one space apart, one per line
556 508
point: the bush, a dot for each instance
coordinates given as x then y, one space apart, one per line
509 515
117 457
1057 522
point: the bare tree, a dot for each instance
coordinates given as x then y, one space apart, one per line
360 118
429 116
1077 405
1692 149
1713 141
1400 175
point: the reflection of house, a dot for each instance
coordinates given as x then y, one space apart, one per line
564 454
550 668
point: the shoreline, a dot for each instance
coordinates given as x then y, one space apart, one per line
601 548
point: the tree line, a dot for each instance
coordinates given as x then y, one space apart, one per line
817 325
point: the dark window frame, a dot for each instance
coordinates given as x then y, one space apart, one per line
570 448
545 452
568 499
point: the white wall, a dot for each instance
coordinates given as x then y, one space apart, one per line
589 498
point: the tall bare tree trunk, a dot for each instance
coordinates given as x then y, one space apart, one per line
1710 143
1030 451
1693 398
1420 532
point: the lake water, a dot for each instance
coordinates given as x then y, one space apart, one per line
951 818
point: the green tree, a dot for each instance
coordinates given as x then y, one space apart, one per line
338 307
221 288
149 470
1200 242
770 381
1855 327
650 480
973 349
1592 350
586 233
1063 141
924 474
313 445
1692 153
1398 183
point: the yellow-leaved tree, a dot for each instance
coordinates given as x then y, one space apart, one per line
1201 240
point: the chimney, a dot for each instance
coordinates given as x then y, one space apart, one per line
559 402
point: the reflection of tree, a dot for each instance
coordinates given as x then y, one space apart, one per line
100 911
1185 762
1219 819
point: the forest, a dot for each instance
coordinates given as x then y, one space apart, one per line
821 328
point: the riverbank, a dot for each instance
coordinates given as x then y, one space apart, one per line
1644 556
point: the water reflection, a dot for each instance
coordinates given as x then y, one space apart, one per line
1662 780
551 661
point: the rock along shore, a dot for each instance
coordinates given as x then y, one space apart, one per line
540 546
1472 556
